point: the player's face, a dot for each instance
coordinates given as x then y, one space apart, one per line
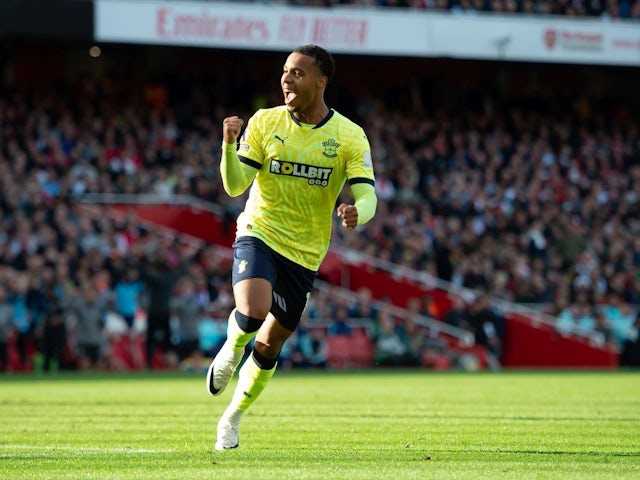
302 82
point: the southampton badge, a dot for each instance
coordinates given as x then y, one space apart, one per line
330 148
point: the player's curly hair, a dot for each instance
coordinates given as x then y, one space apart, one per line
323 59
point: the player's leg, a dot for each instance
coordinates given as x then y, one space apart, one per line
253 275
261 365
253 378
253 300
291 292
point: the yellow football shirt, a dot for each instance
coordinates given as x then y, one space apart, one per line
301 172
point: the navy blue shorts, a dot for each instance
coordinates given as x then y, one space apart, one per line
291 283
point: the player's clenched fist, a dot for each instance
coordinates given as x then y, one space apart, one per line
231 128
348 214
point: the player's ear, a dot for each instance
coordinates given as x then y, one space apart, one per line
322 81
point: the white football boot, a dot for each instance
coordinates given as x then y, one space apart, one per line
222 369
228 434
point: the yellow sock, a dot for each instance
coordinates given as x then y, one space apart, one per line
236 337
251 383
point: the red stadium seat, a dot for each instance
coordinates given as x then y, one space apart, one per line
361 348
339 354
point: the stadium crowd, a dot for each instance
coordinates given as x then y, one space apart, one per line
531 200
605 9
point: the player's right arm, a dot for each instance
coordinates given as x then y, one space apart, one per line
236 175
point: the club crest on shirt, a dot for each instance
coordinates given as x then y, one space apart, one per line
330 148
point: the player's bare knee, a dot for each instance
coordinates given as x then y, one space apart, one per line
267 351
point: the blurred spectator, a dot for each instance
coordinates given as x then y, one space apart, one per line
426 306
54 339
216 271
223 303
85 311
620 316
127 290
568 321
286 356
425 349
339 323
22 319
391 349
311 349
364 305
160 276
212 334
488 328
188 310
6 314
630 356
319 306
458 315
601 325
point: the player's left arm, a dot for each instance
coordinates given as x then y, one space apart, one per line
363 209
362 183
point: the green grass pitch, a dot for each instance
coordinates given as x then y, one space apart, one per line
327 425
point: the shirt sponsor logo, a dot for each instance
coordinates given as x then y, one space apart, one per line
314 175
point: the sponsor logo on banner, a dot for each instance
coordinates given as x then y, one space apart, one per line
550 38
573 40
626 43
293 28
182 24
205 24
340 31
